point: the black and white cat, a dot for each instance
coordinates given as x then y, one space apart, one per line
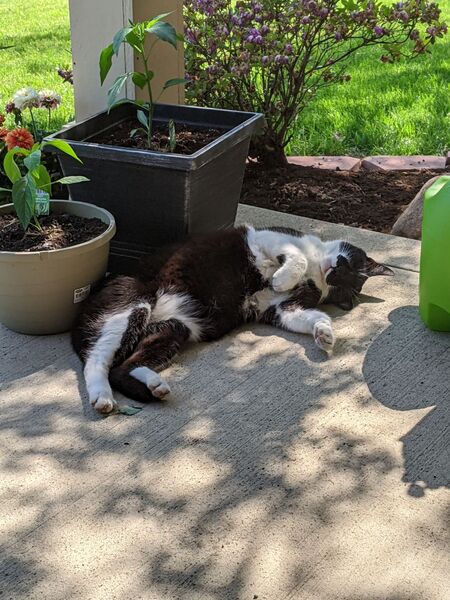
131 329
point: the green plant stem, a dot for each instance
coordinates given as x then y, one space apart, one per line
36 223
150 96
33 123
49 118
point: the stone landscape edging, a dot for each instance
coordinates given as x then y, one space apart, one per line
373 163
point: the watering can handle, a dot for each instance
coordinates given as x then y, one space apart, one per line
437 186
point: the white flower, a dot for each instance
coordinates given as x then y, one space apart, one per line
26 98
49 99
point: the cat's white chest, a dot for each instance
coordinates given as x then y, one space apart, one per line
314 272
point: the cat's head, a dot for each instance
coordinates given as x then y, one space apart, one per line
346 268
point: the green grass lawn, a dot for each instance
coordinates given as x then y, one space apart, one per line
39 32
385 109
401 108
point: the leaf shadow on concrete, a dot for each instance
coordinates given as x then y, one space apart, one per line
413 374
237 487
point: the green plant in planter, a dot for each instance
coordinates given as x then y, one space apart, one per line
135 35
31 191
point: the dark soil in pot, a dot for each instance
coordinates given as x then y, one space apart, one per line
57 232
188 139
372 200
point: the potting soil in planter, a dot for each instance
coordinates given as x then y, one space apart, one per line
57 232
188 140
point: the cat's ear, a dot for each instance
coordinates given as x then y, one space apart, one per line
373 268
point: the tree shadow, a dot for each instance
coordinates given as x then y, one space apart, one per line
414 375
196 490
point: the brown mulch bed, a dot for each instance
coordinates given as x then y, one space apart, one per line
371 200
189 140
58 231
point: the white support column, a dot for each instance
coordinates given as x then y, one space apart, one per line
93 25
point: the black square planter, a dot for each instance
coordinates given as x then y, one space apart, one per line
161 198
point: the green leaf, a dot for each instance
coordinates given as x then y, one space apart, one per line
142 118
139 103
115 89
119 38
24 198
70 179
165 32
12 171
135 38
42 178
177 81
133 132
32 160
64 147
152 22
139 79
129 410
105 62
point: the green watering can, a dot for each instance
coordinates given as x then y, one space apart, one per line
434 304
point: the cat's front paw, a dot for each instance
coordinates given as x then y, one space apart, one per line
284 280
289 275
324 336
103 403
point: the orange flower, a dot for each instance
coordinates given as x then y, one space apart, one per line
3 133
19 137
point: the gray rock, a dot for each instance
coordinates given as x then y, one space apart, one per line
409 223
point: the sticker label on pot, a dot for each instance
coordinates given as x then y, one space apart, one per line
42 206
81 294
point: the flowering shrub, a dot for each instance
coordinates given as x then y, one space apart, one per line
272 56
66 75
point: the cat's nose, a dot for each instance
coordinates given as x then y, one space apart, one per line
326 266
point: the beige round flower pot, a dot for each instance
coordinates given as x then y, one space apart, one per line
40 292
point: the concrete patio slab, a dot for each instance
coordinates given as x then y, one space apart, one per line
273 472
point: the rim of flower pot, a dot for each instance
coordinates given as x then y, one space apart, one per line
98 240
228 138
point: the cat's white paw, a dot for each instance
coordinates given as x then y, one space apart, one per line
289 275
324 336
284 280
161 390
103 403
155 383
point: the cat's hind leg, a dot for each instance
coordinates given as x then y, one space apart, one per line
294 318
118 336
138 376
